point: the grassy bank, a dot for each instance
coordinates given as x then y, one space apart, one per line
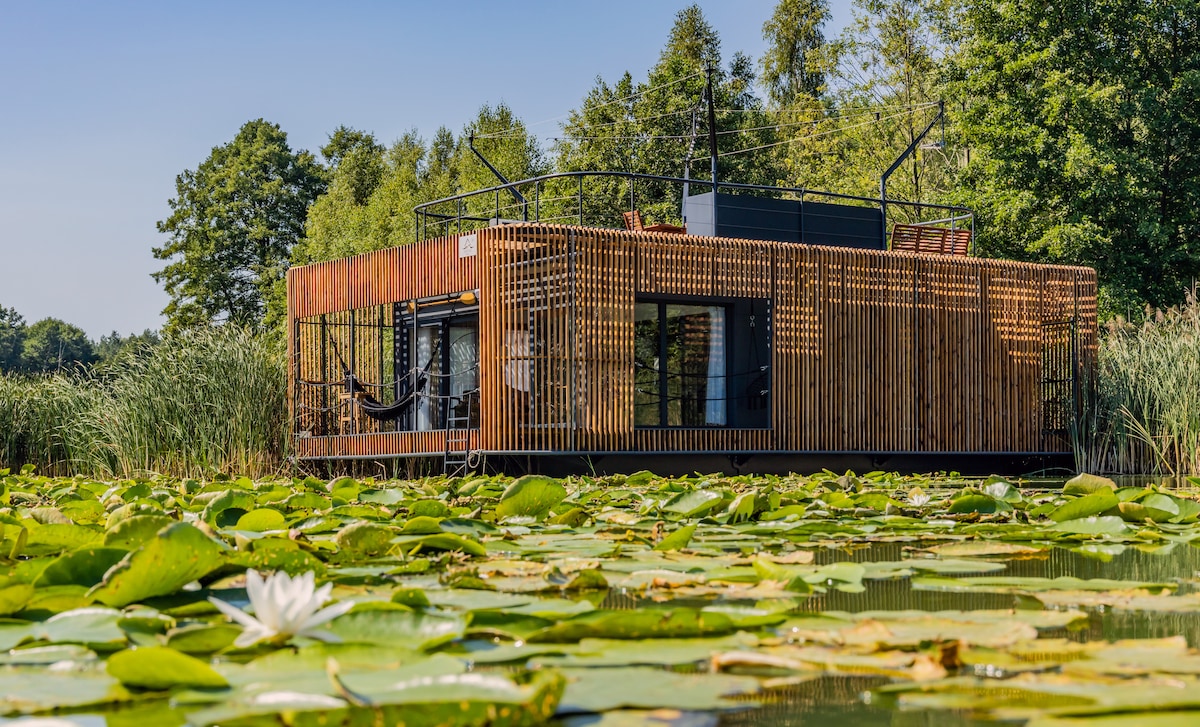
200 402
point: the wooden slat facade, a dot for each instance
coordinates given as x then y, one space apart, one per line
870 351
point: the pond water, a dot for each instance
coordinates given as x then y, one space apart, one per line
847 701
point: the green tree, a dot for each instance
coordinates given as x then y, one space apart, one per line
233 225
364 211
52 345
883 92
114 346
359 159
660 126
12 339
793 67
1085 141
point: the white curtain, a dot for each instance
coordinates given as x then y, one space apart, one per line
715 409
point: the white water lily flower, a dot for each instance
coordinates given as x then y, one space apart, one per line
283 607
917 497
998 490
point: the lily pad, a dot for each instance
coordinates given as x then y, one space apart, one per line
158 667
530 496
176 556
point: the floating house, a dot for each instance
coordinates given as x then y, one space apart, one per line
771 331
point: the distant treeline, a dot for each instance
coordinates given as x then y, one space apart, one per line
54 345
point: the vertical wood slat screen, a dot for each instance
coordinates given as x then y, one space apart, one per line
871 351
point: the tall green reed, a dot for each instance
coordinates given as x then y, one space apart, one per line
43 421
200 402
1146 417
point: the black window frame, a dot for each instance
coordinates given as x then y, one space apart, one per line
443 319
748 345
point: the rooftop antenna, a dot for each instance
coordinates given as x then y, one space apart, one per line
712 143
513 190
939 118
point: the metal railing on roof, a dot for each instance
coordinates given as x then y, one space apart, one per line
564 198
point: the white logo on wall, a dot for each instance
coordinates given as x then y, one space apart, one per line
467 246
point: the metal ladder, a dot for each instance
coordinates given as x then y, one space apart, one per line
457 460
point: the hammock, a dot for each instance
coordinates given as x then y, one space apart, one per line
374 408
385 412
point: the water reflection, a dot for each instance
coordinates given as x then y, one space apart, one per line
839 701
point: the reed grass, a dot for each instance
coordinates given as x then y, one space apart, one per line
1146 415
198 403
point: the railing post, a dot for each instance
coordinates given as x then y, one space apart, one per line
580 200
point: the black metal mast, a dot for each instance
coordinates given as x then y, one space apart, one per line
516 195
939 118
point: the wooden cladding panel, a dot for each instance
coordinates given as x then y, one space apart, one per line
871 351
415 444
420 270
345 307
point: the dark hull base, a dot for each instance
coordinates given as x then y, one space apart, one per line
966 463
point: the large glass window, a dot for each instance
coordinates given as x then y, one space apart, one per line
445 364
681 365
702 363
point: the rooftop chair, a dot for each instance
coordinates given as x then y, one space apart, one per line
929 239
633 222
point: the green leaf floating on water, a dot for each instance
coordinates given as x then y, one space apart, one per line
439 541
53 538
158 667
601 689
406 629
30 690
203 638
530 496
1099 501
13 598
131 532
176 556
364 538
637 624
448 699
678 539
693 503
979 503
1086 484
261 520
84 567
1094 525
1010 584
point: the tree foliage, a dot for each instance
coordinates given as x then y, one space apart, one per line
793 66
233 225
372 190
12 339
885 79
54 345
1085 140
114 348
660 126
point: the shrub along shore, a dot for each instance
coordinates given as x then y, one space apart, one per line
214 400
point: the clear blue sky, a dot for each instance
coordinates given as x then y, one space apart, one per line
104 103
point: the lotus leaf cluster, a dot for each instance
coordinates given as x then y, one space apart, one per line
625 599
